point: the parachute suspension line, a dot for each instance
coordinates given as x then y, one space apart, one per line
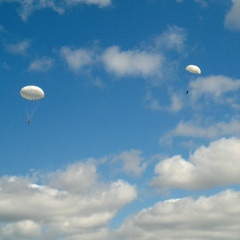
30 112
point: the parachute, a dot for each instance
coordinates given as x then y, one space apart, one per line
193 69
32 94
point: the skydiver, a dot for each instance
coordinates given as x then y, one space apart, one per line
187 92
29 122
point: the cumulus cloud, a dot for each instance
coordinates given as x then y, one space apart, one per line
19 48
76 59
212 218
232 18
69 178
41 65
62 207
22 230
202 170
132 62
29 6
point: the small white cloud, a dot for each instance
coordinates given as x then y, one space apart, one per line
176 103
205 165
132 62
151 102
202 3
132 162
202 130
19 48
212 218
77 58
214 86
232 18
191 129
100 3
172 39
41 65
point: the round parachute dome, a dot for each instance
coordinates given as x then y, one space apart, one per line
32 93
193 69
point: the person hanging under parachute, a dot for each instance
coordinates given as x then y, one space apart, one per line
32 93
193 69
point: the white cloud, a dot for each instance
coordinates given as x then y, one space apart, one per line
25 229
77 58
153 103
192 129
100 3
202 3
69 178
132 162
172 39
205 165
27 7
232 18
212 218
74 204
132 62
176 103
41 65
19 48
214 86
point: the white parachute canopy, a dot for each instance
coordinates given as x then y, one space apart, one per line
193 69
32 93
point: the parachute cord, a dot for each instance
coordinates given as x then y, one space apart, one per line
30 113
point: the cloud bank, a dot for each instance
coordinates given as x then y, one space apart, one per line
75 204
215 217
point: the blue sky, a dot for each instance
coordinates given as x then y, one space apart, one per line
117 150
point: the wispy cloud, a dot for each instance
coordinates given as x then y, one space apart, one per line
200 129
218 90
41 65
131 161
29 6
232 18
176 103
202 171
214 86
18 48
100 3
173 38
